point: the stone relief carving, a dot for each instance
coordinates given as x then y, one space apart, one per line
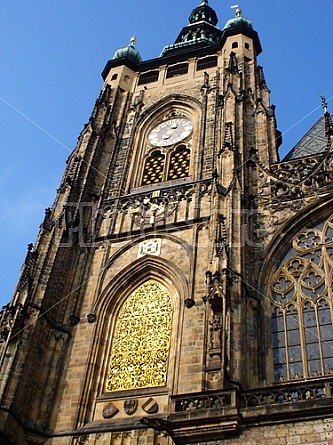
152 207
150 247
288 187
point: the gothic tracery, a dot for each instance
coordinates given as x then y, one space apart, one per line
302 301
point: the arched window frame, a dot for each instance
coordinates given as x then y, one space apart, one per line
169 155
154 168
302 306
169 107
179 159
109 303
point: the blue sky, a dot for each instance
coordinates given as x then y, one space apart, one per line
52 54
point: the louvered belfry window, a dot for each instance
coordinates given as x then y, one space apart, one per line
154 168
174 165
179 163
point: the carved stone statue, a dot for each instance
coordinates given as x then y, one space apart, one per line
215 332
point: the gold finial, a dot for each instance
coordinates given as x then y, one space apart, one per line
238 11
133 40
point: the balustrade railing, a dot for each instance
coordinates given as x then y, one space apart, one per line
235 398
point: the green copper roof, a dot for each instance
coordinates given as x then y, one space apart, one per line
203 13
129 52
238 21
201 30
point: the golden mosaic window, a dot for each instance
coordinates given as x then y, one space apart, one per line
140 350
302 306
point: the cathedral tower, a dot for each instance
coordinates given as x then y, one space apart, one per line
179 290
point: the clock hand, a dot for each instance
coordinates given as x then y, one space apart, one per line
168 133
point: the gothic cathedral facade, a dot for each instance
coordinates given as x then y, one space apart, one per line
180 289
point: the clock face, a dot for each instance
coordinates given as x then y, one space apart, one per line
170 132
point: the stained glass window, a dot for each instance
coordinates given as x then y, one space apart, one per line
302 302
